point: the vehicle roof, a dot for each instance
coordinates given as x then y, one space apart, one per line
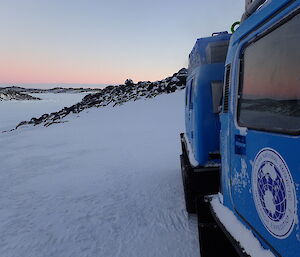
198 54
260 16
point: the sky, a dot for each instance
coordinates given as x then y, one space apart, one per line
104 42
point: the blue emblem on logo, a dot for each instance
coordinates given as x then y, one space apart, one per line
274 193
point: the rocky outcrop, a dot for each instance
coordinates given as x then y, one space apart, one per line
9 94
115 95
55 90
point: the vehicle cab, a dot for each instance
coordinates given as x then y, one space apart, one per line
260 125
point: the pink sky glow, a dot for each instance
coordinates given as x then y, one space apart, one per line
104 42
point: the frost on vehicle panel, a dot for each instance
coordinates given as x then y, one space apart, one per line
241 180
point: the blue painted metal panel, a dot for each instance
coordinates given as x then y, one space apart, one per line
202 125
246 153
206 123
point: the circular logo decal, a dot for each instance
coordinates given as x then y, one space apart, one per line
274 193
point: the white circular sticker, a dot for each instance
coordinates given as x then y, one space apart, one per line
274 193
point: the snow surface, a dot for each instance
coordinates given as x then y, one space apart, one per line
13 112
106 183
240 233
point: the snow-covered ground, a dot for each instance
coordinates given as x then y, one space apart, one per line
106 183
13 112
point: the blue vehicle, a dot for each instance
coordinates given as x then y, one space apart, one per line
241 155
203 96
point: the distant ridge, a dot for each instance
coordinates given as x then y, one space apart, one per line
11 94
55 90
115 95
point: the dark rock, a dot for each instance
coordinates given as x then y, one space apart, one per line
129 82
11 94
115 95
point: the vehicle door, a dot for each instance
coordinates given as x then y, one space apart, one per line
265 163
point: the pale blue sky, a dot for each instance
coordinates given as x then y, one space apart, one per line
89 41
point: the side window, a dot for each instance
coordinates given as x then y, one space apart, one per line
191 94
216 91
269 97
216 52
186 95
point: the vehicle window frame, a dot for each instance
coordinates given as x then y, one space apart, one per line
241 79
186 95
217 95
191 95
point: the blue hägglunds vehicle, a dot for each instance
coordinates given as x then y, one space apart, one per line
240 154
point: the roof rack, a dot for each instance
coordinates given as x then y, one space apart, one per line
219 33
250 7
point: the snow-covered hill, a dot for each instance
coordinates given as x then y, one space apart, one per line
114 95
14 111
105 184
